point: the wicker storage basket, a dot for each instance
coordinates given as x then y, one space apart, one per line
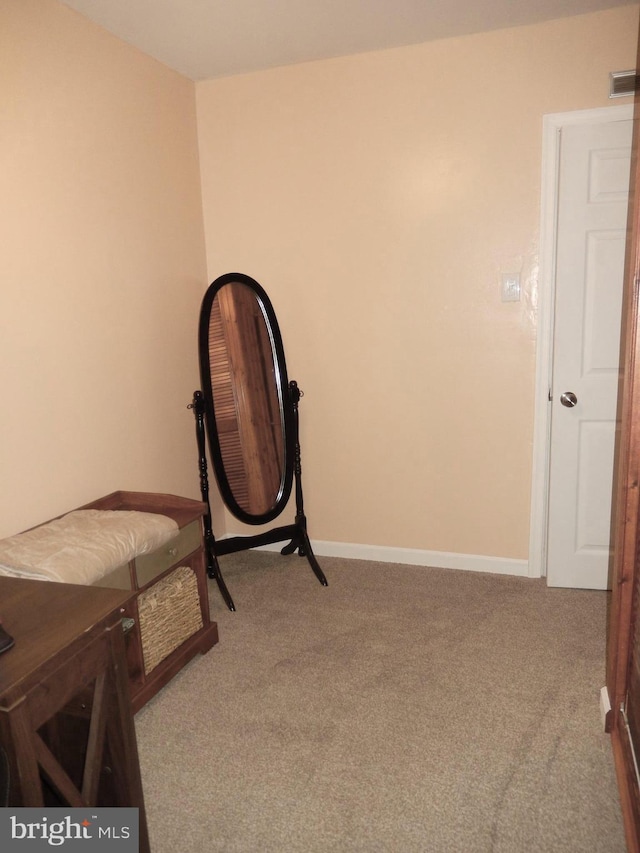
169 613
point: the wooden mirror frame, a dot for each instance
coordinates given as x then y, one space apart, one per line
203 406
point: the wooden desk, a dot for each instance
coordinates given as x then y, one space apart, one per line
66 722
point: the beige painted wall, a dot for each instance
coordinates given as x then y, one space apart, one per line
378 198
102 267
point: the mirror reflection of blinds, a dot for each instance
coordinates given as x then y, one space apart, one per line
245 399
225 409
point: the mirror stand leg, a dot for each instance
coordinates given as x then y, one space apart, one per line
301 538
291 547
306 550
302 544
224 592
213 568
213 571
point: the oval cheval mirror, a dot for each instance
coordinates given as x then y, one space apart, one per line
247 414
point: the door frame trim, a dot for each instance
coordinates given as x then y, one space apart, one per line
552 124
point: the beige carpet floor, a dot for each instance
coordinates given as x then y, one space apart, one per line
399 709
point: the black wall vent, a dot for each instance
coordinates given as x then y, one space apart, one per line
623 83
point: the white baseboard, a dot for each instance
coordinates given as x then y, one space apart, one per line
417 557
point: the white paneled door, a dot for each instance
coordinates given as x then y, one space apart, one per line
593 190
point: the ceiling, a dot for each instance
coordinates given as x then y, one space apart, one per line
203 39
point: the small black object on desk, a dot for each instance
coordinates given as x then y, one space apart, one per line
6 640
